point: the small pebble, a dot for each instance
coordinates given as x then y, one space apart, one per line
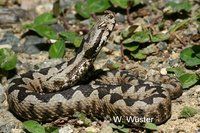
47 7
2 94
163 71
175 55
150 49
174 62
120 18
106 129
9 38
92 129
67 3
34 44
162 45
80 122
66 129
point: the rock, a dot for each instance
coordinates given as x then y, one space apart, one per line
175 55
29 4
9 38
8 122
58 27
120 18
150 49
67 3
163 71
174 62
34 44
92 129
66 129
106 129
2 94
162 45
10 16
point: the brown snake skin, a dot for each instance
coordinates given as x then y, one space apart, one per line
51 93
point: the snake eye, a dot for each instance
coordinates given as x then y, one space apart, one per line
102 25
110 16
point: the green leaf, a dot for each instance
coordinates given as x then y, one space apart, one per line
138 54
82 10
69 36
45 31
178 71
90 132
83 118
120 3
77 41
45 18
33 126
56 8
28 26
8 59
128 32
51 130
137 2
72 37
140 37
131 46
57 49
187 80
191 55
151 126
159 37
91 7
187 112
120 128
177 7
179 25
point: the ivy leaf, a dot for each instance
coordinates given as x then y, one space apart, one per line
56 8
8 59
151 126
191 55
181 6
45 18
128 32
120 128
137 2
188 80
77 41
179 25
83 118
178 71
72 37
33 126
91 7
45 31
82 10
140 37
57 49
120 3
187 112
131 46
51 130
159 37
138 54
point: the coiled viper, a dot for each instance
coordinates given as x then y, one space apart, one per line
52 93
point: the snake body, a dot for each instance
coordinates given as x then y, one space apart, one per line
51 93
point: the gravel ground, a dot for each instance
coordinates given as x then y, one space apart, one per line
161 55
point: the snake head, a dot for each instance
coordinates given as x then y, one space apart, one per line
107 21
98 35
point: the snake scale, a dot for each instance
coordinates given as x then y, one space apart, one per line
51 93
